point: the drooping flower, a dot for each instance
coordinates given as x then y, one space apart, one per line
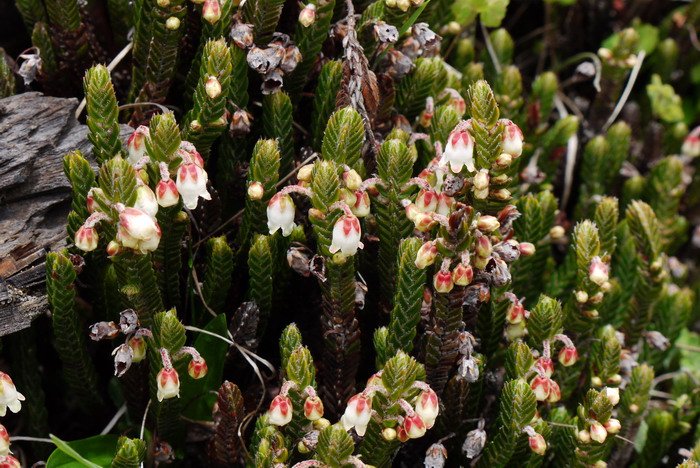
554 392
168 384
512 139
442 281
612 426
444 206
598 271
86 238
568 356
541 387
166 193
197 368
280 411
280 214
691 144
192 184
537 443
313 408
211 11
613 394
414 426
146 200
427 200
357 414
346 235
4 441
138 347
598 432
426 255
462 274
459 151
428 407
8 461
137 144
138 230
361 206
516 312
546 365
9 396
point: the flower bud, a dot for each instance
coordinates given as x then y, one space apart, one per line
568 356
487 224
146 200
168 384
346 235
136 144
557 232
388 433
313 408
196 126
515 331
91 201
554 392
347 196
113 248
581 296
403 5
512 139
280 412
138 349
256 190
401 434
166 193
598 271
211 11
691 144
425 117
357 414
598 432
442 282
307 15
526 249
541 386
613 394
459 152
197 368
483 247
426 255
414 426
537 444
138 230
444 206
426 200
500 194
352 180
304 172
424 221
584 436
615 379
612 426
596 381
516 312
4 441
321 424
280 214
163 3
172 23
481 180
427 407
361 206
86 238
212 87
503 161
462 274
8 461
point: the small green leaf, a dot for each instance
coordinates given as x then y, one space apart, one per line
93 452
492 11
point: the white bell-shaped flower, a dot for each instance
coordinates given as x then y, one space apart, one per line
280 214
138 230
346 235
168 384
357 414
459 151
192 184
137 144
146 200
512 139
9 396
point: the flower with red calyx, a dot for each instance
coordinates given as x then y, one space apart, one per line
192 184
166 193
427 200
428 407
512 139
86 238
280 412
459 151
197 368
426 255
168 384
138 230
138 348
541 386
401 434
462 274
280 214
554 392
598 271
211 11
346 235
526 249
612 426
307 15
568 356
4 441
546 365
483 247
442 281
691 144
361 206
91 201
313 408
537 443
9 396
444 206
136 144
414 426
357 414
516 311
424 221
8 461
598 432
212 87
146 200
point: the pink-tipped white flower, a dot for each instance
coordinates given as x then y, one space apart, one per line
428 407
192 184
280 411
352 180
91 201
8 461
526 249
9 396
4 441
598 432
346 235
414 426
138 230
554 392
459 151
166 193
197 368
568 356
138 349
426 255
211 11
462 274
313 408
146 200
487 223
86 238
357 414
598 271
512 139
168 384
137 144
427 200
361 206
613 394
442 282
537 443
516 312
691 144
444 206
256 190
541 386
546 365
307 16
280 214
612 426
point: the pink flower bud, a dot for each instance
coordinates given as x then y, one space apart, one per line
612 426
212 87
168 384
462 274
427 407
9 396
8 461
357 414
598 271
483 247
691 144
211 11
537 444
280 411
192 184
426 255
541 386
166 193
113 248
568 356
313 408
136 144
547 365
197 368
86 238
4 441
361 206
307 16
92 204
137 230
427 200
346 235
424 221
401 434
444 206
515 313
526 249
146 200
414 426
487 223
554 392
352 180
442 282
138 348
512 139
256 190
481 180
459 151
598 432
280 214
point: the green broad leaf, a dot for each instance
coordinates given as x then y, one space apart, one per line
689 358
196 405
93 452
664 101
492 11
648 38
